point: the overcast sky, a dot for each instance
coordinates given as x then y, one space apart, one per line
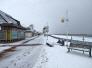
41 12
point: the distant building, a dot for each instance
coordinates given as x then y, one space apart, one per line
28 34
30 31
10 29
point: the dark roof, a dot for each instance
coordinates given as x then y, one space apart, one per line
7 20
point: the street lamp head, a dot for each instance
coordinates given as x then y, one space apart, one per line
62 20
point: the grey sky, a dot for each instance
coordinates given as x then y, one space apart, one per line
41 12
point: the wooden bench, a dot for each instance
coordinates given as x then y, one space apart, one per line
79 46
76 44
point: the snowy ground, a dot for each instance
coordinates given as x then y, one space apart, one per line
43 56
22 56
57 57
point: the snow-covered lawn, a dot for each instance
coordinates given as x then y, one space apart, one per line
57 57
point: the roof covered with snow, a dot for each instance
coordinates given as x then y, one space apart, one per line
7 20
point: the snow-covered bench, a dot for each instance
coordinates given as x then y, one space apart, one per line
61 42
80 46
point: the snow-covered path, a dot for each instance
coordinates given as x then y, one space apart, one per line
57 57
22 56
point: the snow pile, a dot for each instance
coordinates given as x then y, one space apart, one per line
4 48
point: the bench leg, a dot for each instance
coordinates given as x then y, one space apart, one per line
68 50
90 52
83 51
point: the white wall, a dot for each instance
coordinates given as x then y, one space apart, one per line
28 34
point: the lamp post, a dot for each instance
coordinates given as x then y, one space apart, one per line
63 19
45 32
66 19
